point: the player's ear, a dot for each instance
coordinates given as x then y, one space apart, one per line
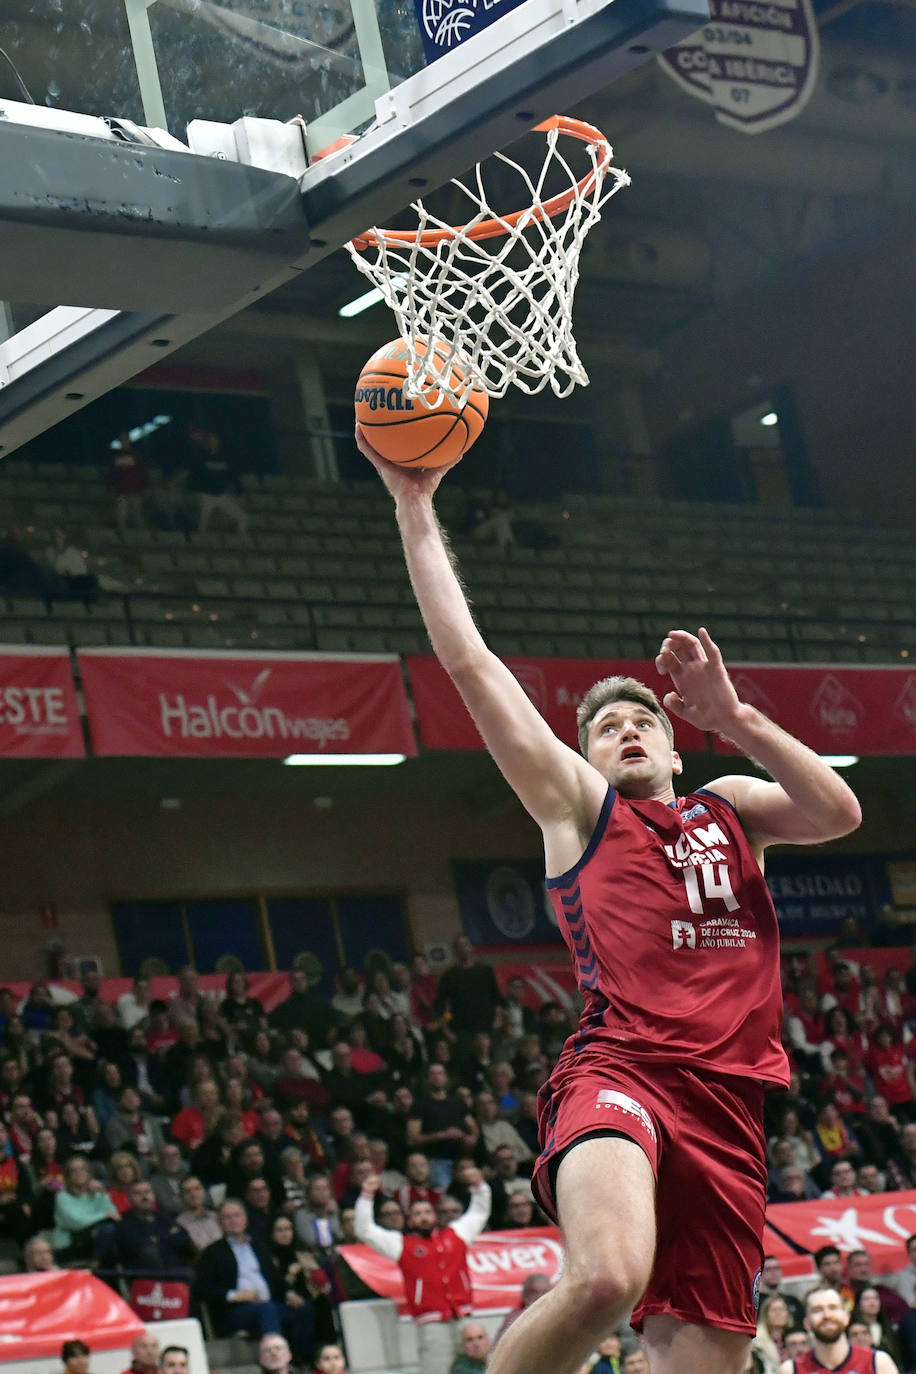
677 764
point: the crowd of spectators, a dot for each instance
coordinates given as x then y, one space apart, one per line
208 1140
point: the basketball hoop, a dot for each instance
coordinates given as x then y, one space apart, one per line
504 313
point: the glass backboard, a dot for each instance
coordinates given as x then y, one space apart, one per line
94 216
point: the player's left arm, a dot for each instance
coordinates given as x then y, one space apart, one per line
807 802
884 1364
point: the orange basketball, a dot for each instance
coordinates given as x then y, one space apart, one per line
405 431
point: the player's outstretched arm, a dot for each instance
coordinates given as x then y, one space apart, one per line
807 802
552 781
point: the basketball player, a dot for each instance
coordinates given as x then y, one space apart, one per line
651 1122
827 1319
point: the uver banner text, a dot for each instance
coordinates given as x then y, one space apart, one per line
833 710
214 705
39 715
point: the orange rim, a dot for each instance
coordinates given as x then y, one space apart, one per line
493 228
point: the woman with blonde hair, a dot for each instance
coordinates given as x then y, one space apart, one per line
82 1209
123 1170
773 1321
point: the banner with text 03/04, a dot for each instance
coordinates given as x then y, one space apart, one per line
39 714
554 685
216 705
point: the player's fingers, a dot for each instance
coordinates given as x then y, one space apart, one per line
674 704
668 648
710 646
686 645
667 662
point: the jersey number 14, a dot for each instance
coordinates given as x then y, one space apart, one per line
716 884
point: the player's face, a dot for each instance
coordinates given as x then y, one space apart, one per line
628 745
826 1318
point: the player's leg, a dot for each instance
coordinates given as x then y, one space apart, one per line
699 1312
605 1193
676 1346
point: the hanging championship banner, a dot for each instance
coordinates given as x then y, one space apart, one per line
755 62
39 714
234 705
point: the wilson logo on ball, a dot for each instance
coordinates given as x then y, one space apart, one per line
383 398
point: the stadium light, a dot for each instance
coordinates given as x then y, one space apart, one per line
771 418
839 760
344 760
370 298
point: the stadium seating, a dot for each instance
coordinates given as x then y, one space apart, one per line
323 570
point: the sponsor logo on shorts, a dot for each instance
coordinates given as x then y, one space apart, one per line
698 810
609 1101
683 935
755 1289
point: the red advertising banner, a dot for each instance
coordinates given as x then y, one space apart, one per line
39 714
41 1311
878 1223
554 685
221 705
834 710
499 1263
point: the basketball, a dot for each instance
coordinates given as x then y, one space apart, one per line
405 431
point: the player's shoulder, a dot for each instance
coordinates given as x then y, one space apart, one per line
788 1367
732 788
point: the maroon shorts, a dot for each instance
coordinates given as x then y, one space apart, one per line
703 1136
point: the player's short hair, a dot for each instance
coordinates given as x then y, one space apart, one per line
618 689
821 1288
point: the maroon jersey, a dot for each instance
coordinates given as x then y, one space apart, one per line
858 1361
674 938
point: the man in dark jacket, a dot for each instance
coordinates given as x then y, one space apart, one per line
237 1279
148 1242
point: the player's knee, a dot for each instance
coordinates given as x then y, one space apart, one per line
608 1289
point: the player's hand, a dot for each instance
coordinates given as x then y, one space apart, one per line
703 692
402 481
371 1183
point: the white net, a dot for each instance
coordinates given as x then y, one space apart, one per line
495 295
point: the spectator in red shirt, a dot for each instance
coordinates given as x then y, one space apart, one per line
844 1088
423 989
193 1124
840 1033
128 479
160 1035
123 1170
891 1069
238 1099
363 1059
845 991
24 1124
